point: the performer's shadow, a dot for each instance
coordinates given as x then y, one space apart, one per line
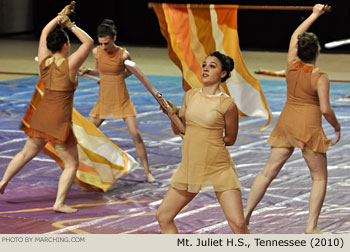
140 181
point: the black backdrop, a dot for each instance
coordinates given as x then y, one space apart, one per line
258 29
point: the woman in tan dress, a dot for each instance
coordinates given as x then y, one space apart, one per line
51 122
114 101
300 123
207 113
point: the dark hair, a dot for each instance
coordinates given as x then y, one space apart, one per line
307 46
227 64
56 39
106 28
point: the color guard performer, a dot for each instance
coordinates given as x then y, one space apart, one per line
52 121
300 123
114 101
207 113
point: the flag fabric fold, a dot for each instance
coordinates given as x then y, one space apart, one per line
194 31
101 162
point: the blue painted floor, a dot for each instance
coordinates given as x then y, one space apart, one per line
130 206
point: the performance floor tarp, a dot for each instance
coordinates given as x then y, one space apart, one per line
130 205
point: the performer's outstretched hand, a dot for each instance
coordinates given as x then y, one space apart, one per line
83 70
174 108
319 9
68 9
66 22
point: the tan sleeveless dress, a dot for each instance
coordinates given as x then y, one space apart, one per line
52 120
113 101
300 122
206 164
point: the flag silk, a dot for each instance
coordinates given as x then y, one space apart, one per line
101 162
193 32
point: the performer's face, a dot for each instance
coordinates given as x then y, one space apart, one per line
211 72
107 43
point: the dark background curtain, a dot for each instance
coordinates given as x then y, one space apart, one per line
258 29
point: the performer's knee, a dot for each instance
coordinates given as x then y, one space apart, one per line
268 176
136 136
71 164
24 155
238 225
163 217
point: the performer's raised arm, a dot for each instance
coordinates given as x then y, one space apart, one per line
317 11
80 55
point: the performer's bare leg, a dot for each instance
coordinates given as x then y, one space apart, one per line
231 204
277 158
131 122
96 121
318 170
69 156
31 148
174 200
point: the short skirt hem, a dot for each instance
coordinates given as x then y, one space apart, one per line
111 116
204 187
320 145
68 140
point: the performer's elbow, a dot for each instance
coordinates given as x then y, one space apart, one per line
229 141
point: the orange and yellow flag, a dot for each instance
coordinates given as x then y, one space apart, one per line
101 162
194 31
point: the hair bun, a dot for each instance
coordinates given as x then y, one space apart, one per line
108 22
307 46
303 41
231 63
106 28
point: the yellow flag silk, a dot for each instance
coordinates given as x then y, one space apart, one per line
193 32
101 162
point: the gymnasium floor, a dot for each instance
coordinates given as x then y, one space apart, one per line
130 206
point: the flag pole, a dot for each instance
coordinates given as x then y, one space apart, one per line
263 7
